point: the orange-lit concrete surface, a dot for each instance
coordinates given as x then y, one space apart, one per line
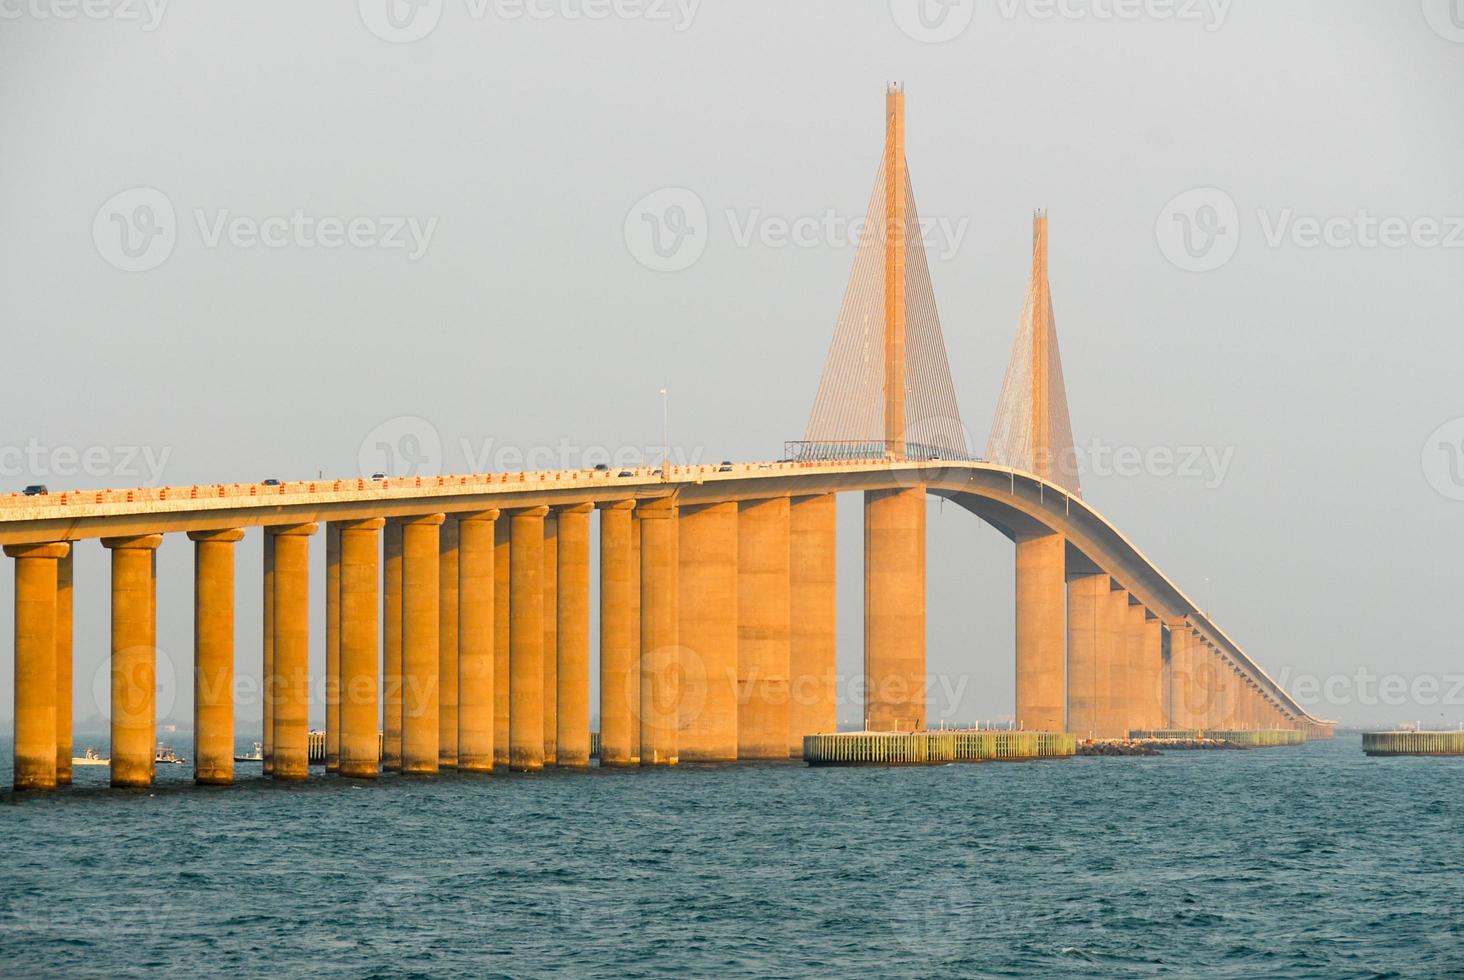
266 662
332 647
619 650
549 587
812 600
526 641
894 610
291 650
1041 627
660 667
477 695
213 655
35 663
768 594
764 631
421 564
447 644
64 658
360 679
391 647
134 659
707 552
572 607
502 555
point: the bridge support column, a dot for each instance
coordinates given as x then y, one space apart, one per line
894 610
1113 672
359 682
1040 632
134 659
391 647
549 584
1087 595
447 643
572 608
1182 643
526 641
763 628
292 650
1135 703
421 683
36 577
619 643
707 632
813 702
502 556
1152 692
660 673
64 659
476 653
266 662
332 647
213 655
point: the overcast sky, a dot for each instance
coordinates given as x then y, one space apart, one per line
245 240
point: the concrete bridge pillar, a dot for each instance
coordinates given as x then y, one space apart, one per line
660 673
572 609
813 619
291 680
391 647
549 584
1087 595
421 683
1041 632
707 632
475 633
619 643
332 647
764 631
447 643
894 610
1179 675
266 660
213 655
134 658
359 679
502 557
36 578
1135 701
64 645
1152 692
1113 663
526 640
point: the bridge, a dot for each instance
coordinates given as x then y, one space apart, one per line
457 607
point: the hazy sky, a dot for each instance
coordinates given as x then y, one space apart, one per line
258 239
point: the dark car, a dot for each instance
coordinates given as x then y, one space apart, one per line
271 482
601 467
625 473
378 476
35 490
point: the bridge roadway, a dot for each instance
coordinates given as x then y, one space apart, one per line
1165 678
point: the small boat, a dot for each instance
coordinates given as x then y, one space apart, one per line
167 757
256 756
91 758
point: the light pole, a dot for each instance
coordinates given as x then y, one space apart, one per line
665 434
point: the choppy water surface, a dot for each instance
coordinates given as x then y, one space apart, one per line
1309 862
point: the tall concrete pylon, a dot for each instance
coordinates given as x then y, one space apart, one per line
1032 430
886 390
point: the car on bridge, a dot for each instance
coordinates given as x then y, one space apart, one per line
36 490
